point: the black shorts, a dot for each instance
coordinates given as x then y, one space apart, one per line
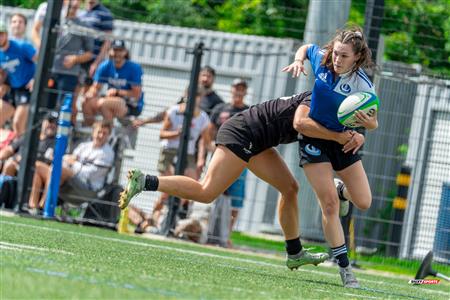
132 109
18 96
237 136
59 85
314 150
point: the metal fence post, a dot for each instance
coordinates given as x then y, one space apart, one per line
62 139
174 202
38 100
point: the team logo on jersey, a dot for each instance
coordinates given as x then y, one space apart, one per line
249 150
323 77
345 88
118 82
311 150
11 65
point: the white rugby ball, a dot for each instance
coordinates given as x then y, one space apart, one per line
364 101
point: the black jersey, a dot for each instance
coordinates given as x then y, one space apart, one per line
271 122
209 101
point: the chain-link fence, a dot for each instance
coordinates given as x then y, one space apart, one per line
406 159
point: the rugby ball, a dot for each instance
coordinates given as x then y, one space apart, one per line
363 101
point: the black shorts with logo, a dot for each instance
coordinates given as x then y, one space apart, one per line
18 96
313 150
236 135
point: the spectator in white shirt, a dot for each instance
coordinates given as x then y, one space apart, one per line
85 169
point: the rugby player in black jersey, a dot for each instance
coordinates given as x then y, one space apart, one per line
247 140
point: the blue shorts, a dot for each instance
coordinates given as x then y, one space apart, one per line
236 191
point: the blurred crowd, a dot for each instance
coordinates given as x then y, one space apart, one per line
106 85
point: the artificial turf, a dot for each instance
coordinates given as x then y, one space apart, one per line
47 259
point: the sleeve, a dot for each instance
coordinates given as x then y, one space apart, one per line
78 148
16 144
136 75
314 55
40 13
171 114
205 121
364 83
106 21
28 50
101 74
216 112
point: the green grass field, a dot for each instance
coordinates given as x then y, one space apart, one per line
46 259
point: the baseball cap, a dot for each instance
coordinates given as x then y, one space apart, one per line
3 27
239 81
52 116
118 44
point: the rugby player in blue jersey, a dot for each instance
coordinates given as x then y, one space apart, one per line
338 73
17 60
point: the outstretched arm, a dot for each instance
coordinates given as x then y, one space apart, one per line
297 66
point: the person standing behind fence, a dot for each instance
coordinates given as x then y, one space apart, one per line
99 18
71 51
38 21
124 95
338 73
210 99
17 59
219 115
170 141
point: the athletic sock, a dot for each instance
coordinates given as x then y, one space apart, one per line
294 246
340 253
340 190
151 183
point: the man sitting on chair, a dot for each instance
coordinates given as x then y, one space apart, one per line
85 169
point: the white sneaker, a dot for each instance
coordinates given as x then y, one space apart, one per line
343 203
348 278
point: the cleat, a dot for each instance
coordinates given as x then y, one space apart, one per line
135 185
305 258
343 202
348 278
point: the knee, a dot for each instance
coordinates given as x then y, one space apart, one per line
291 190
364 202
330 206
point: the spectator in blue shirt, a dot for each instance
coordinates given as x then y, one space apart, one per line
98 17
17 60
124 94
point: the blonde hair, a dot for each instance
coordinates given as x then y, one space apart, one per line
354 36
103 124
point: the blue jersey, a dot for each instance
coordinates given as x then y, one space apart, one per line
130 74
17 61
328 94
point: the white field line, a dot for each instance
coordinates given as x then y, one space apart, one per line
206 254
6 245
351 295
